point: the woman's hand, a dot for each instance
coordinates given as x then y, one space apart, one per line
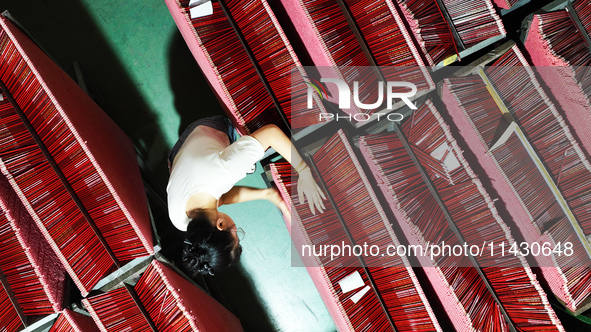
309 189
274 197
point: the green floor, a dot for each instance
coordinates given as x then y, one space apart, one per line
138 68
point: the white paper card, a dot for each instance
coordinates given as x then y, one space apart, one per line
355 298
1 97
451 162
351 282
202 10
440 151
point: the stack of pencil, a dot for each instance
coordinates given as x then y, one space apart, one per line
249 63
367 223
375 36
535 162
326 273
161 300
505 4
449 29
10 318
32 270
558 44
394 297
488 292
73 169
70 321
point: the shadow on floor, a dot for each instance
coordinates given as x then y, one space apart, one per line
241 297
193 97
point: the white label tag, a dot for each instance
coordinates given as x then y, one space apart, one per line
201 10
355 298
351 282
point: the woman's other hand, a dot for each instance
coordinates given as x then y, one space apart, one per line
309 190
274 197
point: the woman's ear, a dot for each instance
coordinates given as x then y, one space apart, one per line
219 223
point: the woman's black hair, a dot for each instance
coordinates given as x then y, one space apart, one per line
207 250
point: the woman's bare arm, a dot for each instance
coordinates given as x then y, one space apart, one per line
240 194
272 136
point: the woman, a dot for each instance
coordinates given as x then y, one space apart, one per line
205 165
